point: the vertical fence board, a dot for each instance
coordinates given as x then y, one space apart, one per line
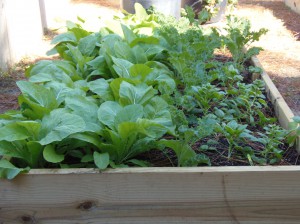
294 5
5 57
21 30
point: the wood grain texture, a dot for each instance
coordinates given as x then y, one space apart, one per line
153 195
282 110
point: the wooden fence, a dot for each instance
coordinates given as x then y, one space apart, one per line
21 30
294 5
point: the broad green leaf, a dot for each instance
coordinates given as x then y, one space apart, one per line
87 158
152 41
38 94
10 116
113 144
142 145
89 137
77 56
157 108
161 79
37 68
121 67
123 51
140 12
140 57
52 51
140 94
50 155
31 109
15 149
33 128
100 67
185 154
128 130
87 44
13 132
130 113
140 71
151 128
108 112
146 28
206 126
8 170
58 125
115 87
67 67
102 89
97 62
61 91
108 45
78 31
45 71
115 27
35 150
128 34
101 160
153 51
50 77
64 37
87 110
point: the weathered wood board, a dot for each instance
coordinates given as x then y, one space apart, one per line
5 57
294 5
21 31
153 195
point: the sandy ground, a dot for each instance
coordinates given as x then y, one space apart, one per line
281 55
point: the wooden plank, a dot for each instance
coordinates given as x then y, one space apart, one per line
5 57
43 13
24 28
282 110
294 5
153 195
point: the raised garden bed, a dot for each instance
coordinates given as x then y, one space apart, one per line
259 195
238 194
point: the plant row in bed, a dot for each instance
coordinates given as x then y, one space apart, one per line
143 83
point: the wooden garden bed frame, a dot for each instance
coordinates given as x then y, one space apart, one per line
258 195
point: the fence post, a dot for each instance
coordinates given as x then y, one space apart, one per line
5 56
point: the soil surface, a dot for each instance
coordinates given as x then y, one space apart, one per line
280 58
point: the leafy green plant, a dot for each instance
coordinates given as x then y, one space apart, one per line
295 130
144 82
240 37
